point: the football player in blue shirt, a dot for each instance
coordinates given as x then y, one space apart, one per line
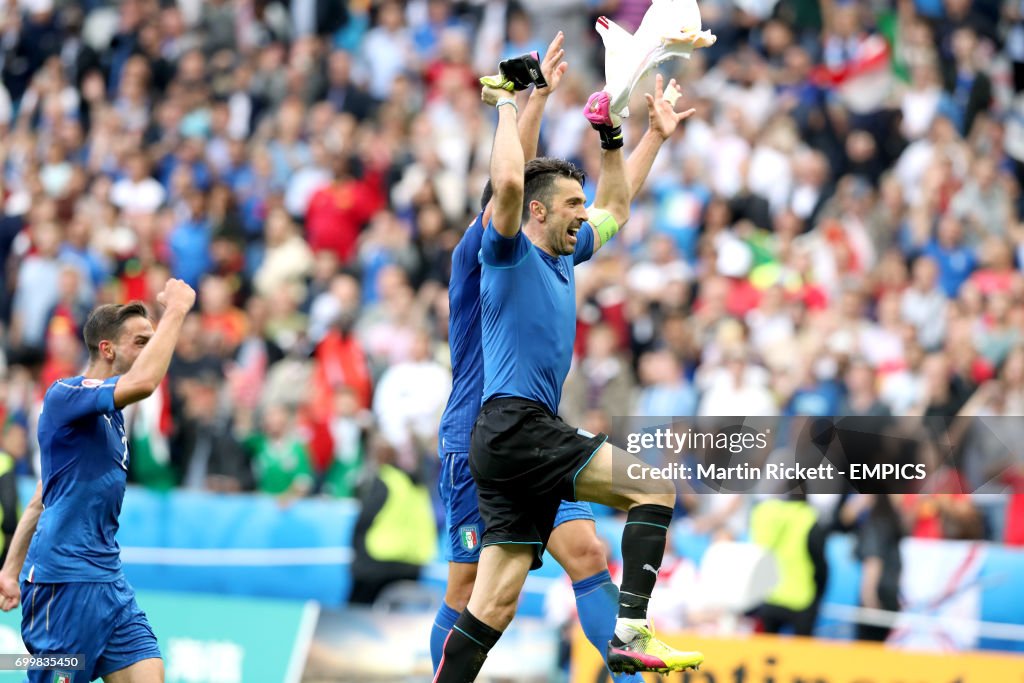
74 596
573 542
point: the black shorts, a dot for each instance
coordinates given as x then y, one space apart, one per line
525 462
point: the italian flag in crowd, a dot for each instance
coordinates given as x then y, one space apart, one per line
149 427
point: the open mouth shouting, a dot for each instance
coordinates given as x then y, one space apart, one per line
571 232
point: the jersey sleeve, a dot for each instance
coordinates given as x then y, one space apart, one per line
503 252
584 244
66 402
467 252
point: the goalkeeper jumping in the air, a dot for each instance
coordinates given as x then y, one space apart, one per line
525 461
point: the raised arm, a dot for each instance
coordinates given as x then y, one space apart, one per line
611 202
533 111
149 368
10 591
507 164
613 190
553 69
663 121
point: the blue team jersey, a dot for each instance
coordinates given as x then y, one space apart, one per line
84 452
528 314
464 341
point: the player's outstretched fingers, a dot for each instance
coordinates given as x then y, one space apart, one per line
552 67
555 45
553 56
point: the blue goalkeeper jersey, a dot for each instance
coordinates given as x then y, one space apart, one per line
464 341
528 313
84 452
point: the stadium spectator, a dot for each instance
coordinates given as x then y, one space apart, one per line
879 530
387 50
287 260
189 241
15 443
860 395
943 393
739 388
38 290
409 399
394 536
664 391
923 304
210 457
339 211
349 426
339 357
12 450
604 382
138 191
345 95
280 458
790 530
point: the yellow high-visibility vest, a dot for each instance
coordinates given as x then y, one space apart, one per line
404 529
783 527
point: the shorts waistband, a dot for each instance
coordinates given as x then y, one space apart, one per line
516 401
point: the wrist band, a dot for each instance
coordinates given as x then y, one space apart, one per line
508 101
611 138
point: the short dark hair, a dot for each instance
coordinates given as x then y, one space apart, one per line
106 322
536 170
540 180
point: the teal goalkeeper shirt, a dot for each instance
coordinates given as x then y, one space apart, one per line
528 315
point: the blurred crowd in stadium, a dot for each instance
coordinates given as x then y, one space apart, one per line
837 230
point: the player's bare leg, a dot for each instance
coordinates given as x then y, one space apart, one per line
500 578
461 576
612 478
147 671
577 548
574 545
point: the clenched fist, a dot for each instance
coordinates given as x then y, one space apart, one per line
177 295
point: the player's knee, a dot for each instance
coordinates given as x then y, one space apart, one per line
588 557
459 590
498 611
505 607
656 492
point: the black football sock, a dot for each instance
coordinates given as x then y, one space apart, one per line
643 546
465 650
